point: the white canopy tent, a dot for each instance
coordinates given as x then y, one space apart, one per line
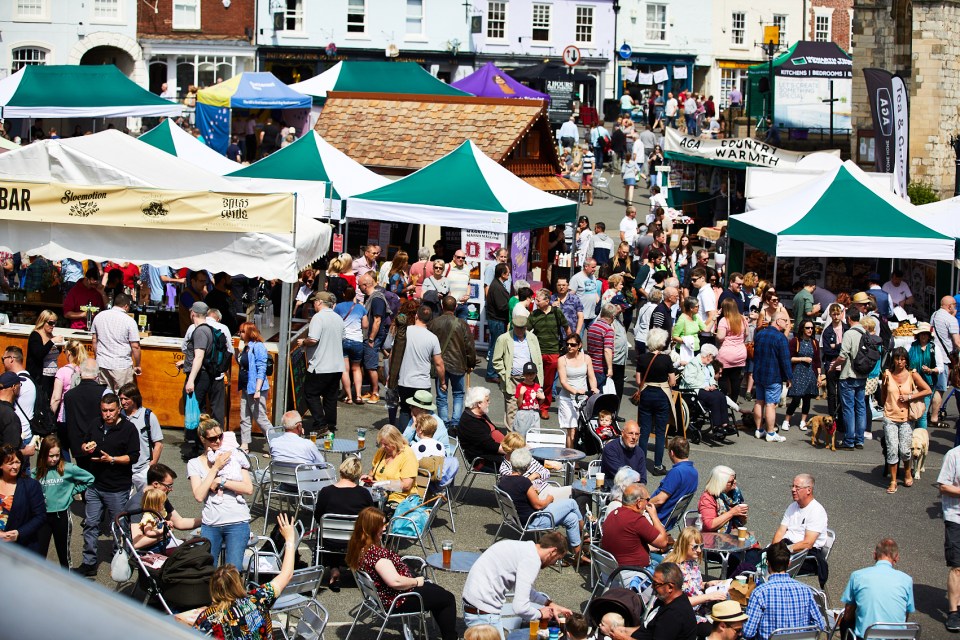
764 186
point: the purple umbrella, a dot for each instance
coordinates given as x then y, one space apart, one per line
490 82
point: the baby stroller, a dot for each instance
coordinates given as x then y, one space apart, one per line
588 417
626 602
177 583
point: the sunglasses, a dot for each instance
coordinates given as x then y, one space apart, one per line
572 344
216 438
459 257
697 547
51 323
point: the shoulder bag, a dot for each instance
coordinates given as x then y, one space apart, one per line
635 398
917 408
954 371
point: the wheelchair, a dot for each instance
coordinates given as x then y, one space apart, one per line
693 420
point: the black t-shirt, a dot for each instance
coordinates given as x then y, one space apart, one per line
742 303
516 487
660 370
346 501
10 426
120 440
674 621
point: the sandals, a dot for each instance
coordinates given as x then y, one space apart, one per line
908 482
893 489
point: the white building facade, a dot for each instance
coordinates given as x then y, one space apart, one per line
71 32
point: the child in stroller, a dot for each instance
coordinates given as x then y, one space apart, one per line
598 420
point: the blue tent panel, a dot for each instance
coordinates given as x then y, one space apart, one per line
262 90
214 125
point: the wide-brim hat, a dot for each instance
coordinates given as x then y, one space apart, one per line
727 611
922 327
860 298
422 399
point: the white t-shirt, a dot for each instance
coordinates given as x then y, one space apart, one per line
628 227
220 507
950 476
812 517
897 293
672 107
24 403
707 300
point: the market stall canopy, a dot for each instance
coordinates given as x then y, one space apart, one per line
7 145
376 77
731 153
467 189
489 81
167 136
92 167
765 186
551 71
78 91
944 216
253 90
841 214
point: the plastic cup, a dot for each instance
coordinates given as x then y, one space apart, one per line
327 444
742 579
313 438
742 533
600 478
534 629
447 548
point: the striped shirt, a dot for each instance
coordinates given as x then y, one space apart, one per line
459 280
588 162
599 337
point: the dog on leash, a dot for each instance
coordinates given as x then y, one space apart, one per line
919 446
825 425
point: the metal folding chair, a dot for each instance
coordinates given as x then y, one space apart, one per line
543 437
472 473
892 631
796 562
827 550
313 620
832 618
334 533
311 478
282 484
371 604
679 508
262 556
795 633
393 539
606 573
511 519
299 593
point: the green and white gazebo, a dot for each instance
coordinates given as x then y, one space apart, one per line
78 91
168 137
374 76
843 213
465 189
313 159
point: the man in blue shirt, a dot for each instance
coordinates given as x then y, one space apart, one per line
624 452
781 602
879 593
681 480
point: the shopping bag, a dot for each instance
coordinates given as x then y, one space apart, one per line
191 413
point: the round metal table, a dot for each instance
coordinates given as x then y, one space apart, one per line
460 561
560 454
343 446
725 545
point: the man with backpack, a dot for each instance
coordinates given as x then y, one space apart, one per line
204 356
148 426
859 352
378 324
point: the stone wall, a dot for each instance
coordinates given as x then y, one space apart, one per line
926 52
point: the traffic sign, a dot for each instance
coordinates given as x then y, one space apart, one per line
625 51
571 56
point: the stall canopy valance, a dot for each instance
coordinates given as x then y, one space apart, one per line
489 81
253 90
466 189
843 213
78 91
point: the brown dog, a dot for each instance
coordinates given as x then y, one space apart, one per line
919 446
825 425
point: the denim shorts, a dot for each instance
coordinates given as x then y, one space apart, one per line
353 350
942 378
768 393
371 354
629 182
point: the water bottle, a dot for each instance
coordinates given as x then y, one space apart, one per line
554 630
699 523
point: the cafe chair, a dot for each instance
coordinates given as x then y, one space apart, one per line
313 620
470 466
795 633
511 519
371 604
299 593
831 616
334 533
281 484
393 538
891 631
311 478
796 563
606 573
679 508
811 567
262 559
540 437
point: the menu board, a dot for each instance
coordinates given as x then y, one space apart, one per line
561 100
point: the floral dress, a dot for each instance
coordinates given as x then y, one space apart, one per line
693 583
804 378
368 564
246 619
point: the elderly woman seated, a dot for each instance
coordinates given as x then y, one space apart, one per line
699 376
395 463
536 472
625 477
479 437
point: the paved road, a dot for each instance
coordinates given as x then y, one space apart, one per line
848 485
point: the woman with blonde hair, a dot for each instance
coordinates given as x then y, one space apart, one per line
687 553
392 577
335 283
239 614
43 352
731 336
481 632
394 461
346 269
345 497
721 504
536 472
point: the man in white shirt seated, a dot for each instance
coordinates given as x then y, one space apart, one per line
804 524
512 566
291 447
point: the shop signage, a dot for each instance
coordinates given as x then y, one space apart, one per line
145 208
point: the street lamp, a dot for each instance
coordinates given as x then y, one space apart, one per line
770 46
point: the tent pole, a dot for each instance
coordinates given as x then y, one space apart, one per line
283 349
773 281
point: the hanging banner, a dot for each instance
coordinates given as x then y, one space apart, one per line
901 137
661 75
630 75
144 208
730 151
679 73
520 255
481 249
645 78
880 93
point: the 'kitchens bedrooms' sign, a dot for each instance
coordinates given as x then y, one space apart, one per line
745 151
146 208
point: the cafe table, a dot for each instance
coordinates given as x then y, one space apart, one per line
564 455
725 545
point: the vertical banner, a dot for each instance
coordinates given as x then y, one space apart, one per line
880 93
214 125
480 248
901 137
520 255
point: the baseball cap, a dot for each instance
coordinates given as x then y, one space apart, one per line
9 379
529 368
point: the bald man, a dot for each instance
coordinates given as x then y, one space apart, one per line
625 452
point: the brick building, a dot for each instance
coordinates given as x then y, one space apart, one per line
920 40
196 42
831 21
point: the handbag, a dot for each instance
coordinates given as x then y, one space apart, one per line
917 408
410 517
191 413
120 569
635 398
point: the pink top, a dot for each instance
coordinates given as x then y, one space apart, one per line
65 375
733 352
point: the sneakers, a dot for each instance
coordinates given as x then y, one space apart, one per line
759 433
659 470
867 435
775 437
803 425
953 622
373 399
785 426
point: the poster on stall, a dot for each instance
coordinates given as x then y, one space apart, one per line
481 249
520 255
373 232
921 277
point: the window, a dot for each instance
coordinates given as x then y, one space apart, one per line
731 79
32 9
584 29
821 29
738 27
414 17
26 56
657 22
186 14
106 9
497 20
781 23
541 23
204 71
293 15
356 16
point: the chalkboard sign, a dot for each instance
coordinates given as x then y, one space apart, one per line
561 100
298 379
